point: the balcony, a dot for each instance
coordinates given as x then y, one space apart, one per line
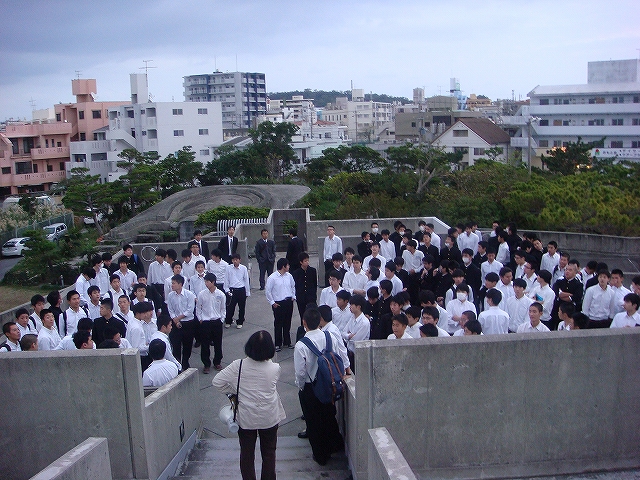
52 152
586 131
38 178
37 129
586 108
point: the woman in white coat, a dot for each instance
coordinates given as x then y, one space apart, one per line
260 410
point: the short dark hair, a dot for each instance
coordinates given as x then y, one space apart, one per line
615 271
343 295
185 253
71 293
427 296
157 349
85 324
429 330
81 337
161 252
537 306
390 266
567 308
282 263
106 256
337 257
123 259
474 326
236 255
89 272
413 311
127 246
386 285
375 262
293 231
325 313
53 297
37 298
580 320
178 278
504 271
21 311
172 254
163 320
7 327
260 346
110 331
358 300
545 275
433 312
108 343
312 318
28 340
470 314
216 252
335 274
492 277
107 302
402 318
494 295
113 277
375 273
553 243
302 256
373 292
633 299
349 250
92 288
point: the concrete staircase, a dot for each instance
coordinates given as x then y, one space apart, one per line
218 458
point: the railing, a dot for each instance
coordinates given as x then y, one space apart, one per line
51 152
67 219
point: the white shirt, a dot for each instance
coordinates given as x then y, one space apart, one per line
15 347
135 335
182 303
413 330
196 283
443 319
219 269
354 281
387 250
81 286
549 262
455 308
503 253
102 280
94 310
360 328
188 268
527 328
449 296
35 321
237 278
341 318
621 320
597 302
487 267
127 280
531 283
305 363
28 329
159 373
367 260
158 272
211 306
468 241
331 246
405 336
135 301
507 293
48 338
337 344
436 242
168 354
72 321
617 302
412 261
113 295
518 310
494 321
280 286
546 296
519 273
397 284
328 296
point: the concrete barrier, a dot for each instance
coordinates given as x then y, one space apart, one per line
385 459
501 405
90 459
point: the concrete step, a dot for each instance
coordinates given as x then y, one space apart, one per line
219 459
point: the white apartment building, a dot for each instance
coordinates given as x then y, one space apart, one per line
162 127
243 96
365 120
608 105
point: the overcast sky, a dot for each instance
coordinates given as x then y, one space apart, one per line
492 46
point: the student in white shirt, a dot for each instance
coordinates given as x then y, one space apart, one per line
280 291
218 267
505 286
465 318
597 302
140 295
551 258
68 321
494 320
93 307
188 266
399 327
387 247
375 253
355 280
358 327
458 305
48 337
468 239
29 342
101 279
544 294
534 324
630 316
328 294
431 315
161 371
12 332
491 265
176 268
127 278
619 291
332 244
238 289
84 324
115 290
413 321
211 311
37 302
22 320
530 277
83 282
341 314
566 311
390 274
165 324
327 325
159 270
518 305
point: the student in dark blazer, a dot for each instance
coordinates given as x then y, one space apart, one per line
294 249
229 244
265 251
204 246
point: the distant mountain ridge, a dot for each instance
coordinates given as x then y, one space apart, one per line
322 97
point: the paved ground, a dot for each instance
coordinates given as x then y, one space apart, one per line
6 264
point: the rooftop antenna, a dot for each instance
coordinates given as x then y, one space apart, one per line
215 63
236 62
78 72
32 102
146 75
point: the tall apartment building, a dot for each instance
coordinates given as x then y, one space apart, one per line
32 156
161 127
608 106
243 96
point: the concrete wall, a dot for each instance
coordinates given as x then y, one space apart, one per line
170 419
57 400
385 459
502 406
90 459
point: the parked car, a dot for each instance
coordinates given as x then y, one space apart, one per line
89 220
55 232
15 247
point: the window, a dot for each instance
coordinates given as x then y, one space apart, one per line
565 123
49 168
616 143
617 122
544 101
635 121
151 112
130 113
178 133
133 132
81 114
144 133
327 135
462 150
598 122
35 168
58 118
177 111
6 170
478 151
461 133
634 144
202 111
565 144
636 99
557 123
413 124
96 113
543 143
618 100
557 143
596 100
205 152
27 144
83 136
203 131
61 166
543 123
23 167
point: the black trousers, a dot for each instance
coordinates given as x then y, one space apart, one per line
239 298
328 266
268 442
303 300
322 426
181 340
282 322
265 268
211 332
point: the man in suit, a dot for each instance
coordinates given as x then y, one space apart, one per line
265 255
294 249
229 244
204 247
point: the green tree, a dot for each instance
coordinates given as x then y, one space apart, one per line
567 160
137 186
271 143
232 165
178 172
355 158
86 195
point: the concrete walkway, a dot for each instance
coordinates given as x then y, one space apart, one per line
217 453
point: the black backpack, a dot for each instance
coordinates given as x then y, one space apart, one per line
328 386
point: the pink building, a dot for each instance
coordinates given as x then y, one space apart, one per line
85 116
32 156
